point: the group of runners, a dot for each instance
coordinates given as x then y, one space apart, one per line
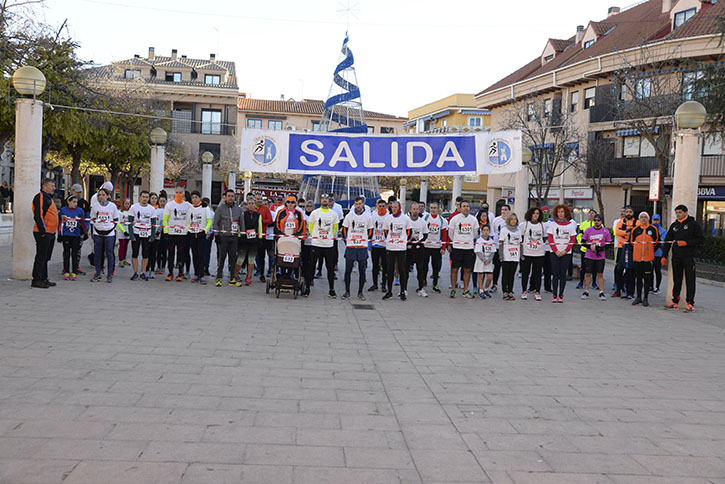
168 235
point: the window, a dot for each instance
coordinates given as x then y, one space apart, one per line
712 144
635 146
574 101
211 121
173 76
530 111
254 123
273 124
444 123
214 79
385 130
548 57
547 108
588 43
213 148
475 122
181 121
589 97
689 79
684 16
315 125
643 88
371 129
132 74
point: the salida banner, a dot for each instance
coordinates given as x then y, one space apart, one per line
271 151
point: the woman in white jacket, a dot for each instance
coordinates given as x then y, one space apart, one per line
510 252
533 252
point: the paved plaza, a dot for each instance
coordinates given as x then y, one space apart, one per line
168 383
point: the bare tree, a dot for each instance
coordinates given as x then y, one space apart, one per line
180 164
552 136
597 164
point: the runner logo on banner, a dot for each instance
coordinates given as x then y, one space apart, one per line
274 151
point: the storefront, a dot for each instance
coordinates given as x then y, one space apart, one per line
711 210
579 199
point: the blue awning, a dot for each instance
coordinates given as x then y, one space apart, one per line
475 111
409 124
633 132
441 114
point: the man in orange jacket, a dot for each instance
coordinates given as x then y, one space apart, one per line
645 240
45 215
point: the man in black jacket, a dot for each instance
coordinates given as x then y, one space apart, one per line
683 237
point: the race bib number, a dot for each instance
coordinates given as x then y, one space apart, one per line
235 227
288 258
379 236
324 234
71 223
251 234
194 227
103 217
289 226
513 252
357 239
144 233
534 244
434 229
465 229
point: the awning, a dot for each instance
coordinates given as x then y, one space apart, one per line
442 114
633 132
475 111
409 124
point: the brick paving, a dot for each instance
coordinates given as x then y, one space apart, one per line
164 382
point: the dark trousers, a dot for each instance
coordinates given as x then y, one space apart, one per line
559 268
433 257
176 244
508 268
399 256
531 265
43 253
624 271
547 272
417 256
306 260
378 260
198 246
77 260
104 245
326 254
162 253
643 274
188 255
226 247
71 249
658 272
362 265
496 268
683 265
152 255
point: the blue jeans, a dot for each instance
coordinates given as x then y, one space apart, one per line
351 256
100 244
559 268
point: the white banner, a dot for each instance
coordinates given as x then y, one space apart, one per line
277 151
654 185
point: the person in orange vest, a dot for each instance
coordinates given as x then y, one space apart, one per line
45 215
645 240
623 271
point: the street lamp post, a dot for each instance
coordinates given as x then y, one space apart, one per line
521 194
158 159
206 159
29 82
689 118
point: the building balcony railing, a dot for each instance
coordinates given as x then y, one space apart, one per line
458 129
631 167
655 106
712 165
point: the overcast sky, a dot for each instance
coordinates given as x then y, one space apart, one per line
407 52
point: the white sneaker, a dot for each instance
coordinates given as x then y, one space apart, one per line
524 295
602 296
422 293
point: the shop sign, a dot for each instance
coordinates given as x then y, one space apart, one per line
578 193
711 193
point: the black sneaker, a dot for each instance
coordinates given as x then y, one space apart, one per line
332 294
645 302
39 284
403 295
373 288
387 296
346 295
49 283
636 301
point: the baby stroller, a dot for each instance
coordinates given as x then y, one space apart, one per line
286 274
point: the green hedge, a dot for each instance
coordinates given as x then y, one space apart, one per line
713 250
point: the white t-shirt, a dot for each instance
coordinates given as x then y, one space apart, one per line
510 244
488 248
562 234
357 229
105 218
197 219
461 231
177 213
534 234
379 229
142 219
323 227
338 210
436 226
397 228
122 221
419 227
496 225
306 218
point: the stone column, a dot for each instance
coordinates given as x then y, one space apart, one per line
232 181
424 189
156 172
28 145
206 180
521 194
457 190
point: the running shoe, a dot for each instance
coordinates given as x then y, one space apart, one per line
247 281
453 293
636 301
202 281
96 278
179 278
488 294
555 299
524 295
360 296
436 289
332 294
345 296
672 305
512 297
109 278
134 276
656 290
144 276
397 281
645 302
467 294
387 296
218 283
73 276
66 276
232 282
482 294
602 296
262 278
561 299
403 295
689 308
239 283
616 294
373 288
80 271
494 288
629 296
170 277
421 292
186 275
579 286
194 279
585 295
317 276
537 296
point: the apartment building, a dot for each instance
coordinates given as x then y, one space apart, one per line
200 97
643 55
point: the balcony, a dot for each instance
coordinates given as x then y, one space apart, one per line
712 165
636 167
